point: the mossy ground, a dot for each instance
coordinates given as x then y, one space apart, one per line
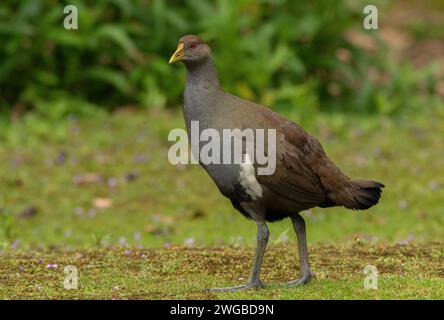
404 272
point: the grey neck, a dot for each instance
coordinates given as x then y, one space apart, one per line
201 92
203 75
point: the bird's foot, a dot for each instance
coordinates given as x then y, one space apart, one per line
252 285
302 280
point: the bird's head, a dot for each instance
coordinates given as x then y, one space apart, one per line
191 50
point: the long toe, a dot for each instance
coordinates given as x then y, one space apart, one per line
302 280
258 285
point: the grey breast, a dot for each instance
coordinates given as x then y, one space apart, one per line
225 176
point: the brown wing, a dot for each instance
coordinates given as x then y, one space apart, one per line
306 175
298 154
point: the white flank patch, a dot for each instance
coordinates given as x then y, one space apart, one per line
247 178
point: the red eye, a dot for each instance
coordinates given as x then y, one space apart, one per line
194 46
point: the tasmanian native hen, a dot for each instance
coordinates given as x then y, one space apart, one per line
304 177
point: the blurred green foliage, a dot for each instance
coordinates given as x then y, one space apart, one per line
288 54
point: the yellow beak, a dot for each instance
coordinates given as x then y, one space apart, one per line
178 54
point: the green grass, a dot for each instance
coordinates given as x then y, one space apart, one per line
404 272
54 178
168 204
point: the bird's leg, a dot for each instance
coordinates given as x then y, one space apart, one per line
299 228
262 240
254 280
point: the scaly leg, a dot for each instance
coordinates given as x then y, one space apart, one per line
299 228
254 280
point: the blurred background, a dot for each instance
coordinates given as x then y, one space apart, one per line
85 115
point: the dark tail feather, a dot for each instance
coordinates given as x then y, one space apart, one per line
362 194
342 191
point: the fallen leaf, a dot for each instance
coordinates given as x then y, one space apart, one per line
28 212
198 213
131 176
87 178
61 158
102 203
163 219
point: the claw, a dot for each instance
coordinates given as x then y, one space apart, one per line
257 285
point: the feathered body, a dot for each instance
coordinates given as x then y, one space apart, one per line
304 178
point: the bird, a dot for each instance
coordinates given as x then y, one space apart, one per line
304 177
